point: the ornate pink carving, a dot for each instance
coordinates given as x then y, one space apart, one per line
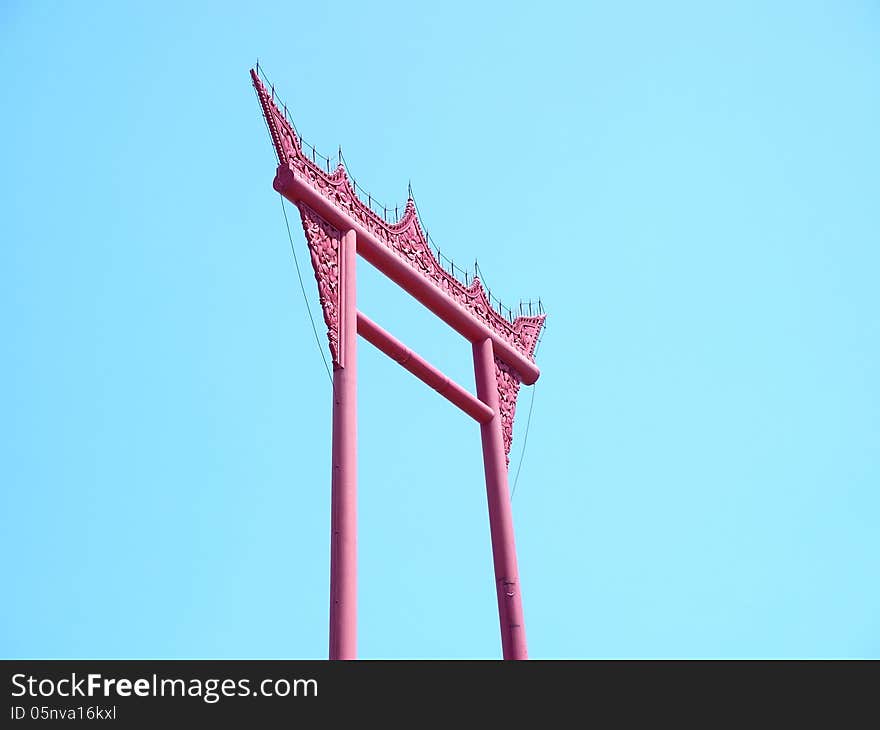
508 390
406 237
324 242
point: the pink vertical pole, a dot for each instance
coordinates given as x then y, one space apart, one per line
510 613
343 509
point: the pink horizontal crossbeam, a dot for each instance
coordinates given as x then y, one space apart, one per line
298 189
400 250
423 370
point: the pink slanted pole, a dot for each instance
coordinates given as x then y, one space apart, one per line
510 613
343 509
422 369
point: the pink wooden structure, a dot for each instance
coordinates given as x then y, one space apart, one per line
338 225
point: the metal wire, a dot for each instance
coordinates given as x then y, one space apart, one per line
522 452
303 288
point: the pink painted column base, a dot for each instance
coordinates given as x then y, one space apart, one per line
510 613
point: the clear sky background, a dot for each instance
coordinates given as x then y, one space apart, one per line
692 189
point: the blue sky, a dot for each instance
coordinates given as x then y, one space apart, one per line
691 189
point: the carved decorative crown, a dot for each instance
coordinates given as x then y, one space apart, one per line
405 237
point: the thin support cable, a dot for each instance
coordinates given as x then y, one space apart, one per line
302 286
522 452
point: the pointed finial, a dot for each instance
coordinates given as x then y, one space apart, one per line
409 189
